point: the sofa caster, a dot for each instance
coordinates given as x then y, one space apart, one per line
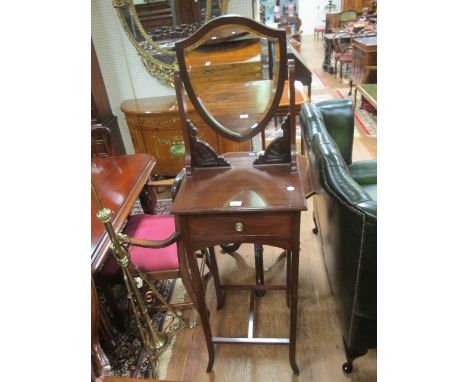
347 367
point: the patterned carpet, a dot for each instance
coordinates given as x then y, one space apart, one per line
128 355
366 122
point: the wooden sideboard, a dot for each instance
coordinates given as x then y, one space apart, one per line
364 55
332 21
357 5
155 129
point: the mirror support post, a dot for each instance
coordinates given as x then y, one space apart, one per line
292 113
183 121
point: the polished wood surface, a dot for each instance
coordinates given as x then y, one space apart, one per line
118 181
302 71
228 62
155 128
259 188
246 102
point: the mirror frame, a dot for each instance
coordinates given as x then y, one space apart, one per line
181 45
158 69
161 71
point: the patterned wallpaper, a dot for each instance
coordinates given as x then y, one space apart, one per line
124 74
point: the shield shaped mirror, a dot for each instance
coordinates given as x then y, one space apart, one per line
233 70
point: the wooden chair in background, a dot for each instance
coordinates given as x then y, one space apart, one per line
101 145
342 48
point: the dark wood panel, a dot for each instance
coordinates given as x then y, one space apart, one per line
357 5
154 15
101 112
188 11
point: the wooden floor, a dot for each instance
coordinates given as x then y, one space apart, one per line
319 349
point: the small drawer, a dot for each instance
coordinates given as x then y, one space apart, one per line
246 224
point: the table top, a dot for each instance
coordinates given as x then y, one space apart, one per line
371 40
367 41
118 181
257 188
369 92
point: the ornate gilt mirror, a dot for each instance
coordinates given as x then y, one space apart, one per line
233 70
153 26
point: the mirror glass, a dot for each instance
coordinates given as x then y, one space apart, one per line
234 71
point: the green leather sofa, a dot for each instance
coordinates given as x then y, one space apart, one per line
345 212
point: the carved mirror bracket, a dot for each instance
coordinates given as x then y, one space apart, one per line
278 151
203 155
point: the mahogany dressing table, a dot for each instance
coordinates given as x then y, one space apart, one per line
243 197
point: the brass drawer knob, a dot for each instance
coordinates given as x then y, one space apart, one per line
239 227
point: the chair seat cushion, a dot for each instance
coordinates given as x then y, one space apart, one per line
364 172
319 28
148 227
346 58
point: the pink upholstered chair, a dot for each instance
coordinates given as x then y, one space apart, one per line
160 263
342 48
155 251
